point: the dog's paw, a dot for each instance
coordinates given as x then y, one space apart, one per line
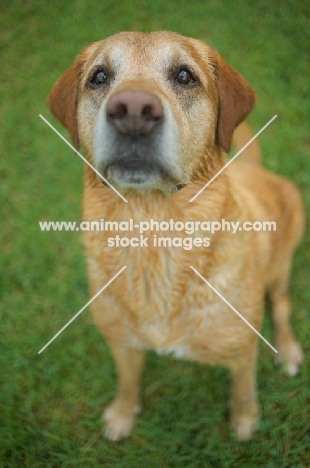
291 356
119 420
245 427
245 423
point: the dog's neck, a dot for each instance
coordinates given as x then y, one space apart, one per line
210 162
102 202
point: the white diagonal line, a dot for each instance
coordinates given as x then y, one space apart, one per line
235 310
82 157
83 308
232 159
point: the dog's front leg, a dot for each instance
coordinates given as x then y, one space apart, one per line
120 414
244 405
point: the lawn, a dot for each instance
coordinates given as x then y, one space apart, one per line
51 403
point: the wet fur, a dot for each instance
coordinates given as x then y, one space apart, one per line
158 302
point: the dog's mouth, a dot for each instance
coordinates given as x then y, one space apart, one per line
134 162
135 171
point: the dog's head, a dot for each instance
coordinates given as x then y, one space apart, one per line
149 108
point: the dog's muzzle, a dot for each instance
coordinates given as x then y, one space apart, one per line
131 143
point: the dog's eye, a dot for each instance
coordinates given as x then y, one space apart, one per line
99 78
184 77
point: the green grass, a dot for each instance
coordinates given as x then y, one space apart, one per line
51 403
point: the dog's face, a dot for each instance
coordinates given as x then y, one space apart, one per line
143 104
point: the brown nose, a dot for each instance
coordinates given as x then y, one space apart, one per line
134 112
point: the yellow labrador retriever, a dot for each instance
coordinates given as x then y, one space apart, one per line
154 113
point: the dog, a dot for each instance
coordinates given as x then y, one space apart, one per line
155 114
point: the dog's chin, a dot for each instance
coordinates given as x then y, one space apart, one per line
142 177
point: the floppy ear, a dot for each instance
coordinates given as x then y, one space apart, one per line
236 100
63 99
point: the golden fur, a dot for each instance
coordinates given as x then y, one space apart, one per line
158 302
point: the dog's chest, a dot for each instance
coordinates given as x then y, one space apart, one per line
158 303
